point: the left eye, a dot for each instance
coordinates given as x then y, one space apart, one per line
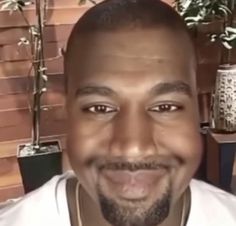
100 109
165 108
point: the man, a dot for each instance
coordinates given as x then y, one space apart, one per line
133 128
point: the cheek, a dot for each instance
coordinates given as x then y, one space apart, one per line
185 144
82 145
183 139
80 138
85 142
188 148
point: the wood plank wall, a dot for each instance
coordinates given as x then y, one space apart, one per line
15 83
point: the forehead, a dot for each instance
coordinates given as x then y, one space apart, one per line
144 52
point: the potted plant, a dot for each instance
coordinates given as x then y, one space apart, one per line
206 12
38 161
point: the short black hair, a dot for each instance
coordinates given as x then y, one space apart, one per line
121 14
112 15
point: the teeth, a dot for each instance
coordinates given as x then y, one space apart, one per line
133 192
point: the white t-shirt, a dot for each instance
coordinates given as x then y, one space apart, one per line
47 206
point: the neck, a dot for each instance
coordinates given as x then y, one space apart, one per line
91 215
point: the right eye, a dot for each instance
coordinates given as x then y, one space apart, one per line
100 109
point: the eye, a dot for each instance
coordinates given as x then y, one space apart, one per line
165 108
100 109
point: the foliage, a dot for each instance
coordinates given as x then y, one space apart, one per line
197 12
14 5
82 2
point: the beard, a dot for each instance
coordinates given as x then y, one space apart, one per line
135 214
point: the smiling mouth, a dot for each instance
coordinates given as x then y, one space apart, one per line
137 179
133 185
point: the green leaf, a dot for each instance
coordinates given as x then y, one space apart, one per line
230 29
82 2
23 41
13 5
45 78
226 45
202 10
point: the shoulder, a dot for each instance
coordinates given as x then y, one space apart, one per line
212 192
40 207
211 205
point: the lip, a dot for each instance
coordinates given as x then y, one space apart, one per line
133 185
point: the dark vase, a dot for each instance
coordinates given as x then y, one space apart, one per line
37 168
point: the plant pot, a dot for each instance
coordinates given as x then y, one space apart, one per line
223 115
36 168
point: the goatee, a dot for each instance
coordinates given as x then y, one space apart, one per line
135 214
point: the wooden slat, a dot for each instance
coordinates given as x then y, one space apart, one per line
19 101
16 124
15 53
11 192
24 131
9 148
60 15
52 33
62 3
208 53
52 4
16 85
19 117
206 75
9 172
22 68
204 29
14 69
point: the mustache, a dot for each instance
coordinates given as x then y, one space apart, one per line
147 163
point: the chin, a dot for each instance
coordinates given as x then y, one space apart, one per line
150 211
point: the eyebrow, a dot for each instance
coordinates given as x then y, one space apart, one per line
172 87
157 90
94 90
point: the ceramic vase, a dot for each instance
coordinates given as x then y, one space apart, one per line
223 110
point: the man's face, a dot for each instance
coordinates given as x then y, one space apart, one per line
133 134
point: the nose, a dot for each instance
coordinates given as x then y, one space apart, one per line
132 135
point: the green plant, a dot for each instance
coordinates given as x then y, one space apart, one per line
197 12
36 55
